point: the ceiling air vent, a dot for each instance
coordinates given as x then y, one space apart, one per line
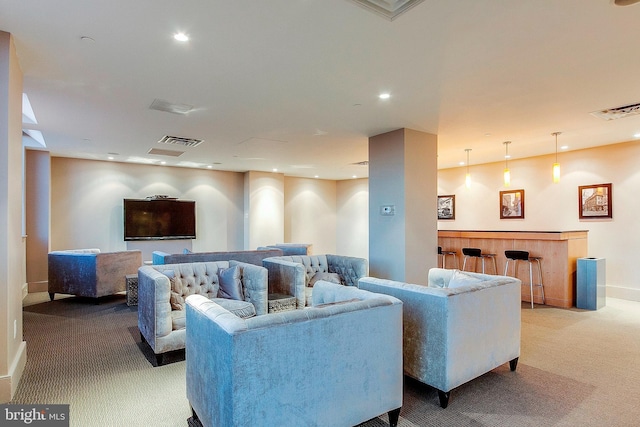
170 153
178 140
362 163
170 107
618 112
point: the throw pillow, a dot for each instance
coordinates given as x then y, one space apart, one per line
461 279
327 277
176 300
230 284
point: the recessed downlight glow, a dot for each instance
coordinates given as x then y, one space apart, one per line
163 162
110 157
636 135
209 166
564 147
354 176
275 169
384 96
181 37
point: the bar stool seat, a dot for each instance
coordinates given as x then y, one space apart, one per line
524 256
443 256
477 254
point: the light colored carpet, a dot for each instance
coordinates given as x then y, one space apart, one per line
577 368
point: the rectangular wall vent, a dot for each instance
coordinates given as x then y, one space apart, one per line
178 140
618 112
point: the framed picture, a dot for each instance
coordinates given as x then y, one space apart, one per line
512 204
447 207
594 201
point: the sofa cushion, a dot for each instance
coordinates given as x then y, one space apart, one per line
230 284
327 277
241 309
176 299
459 279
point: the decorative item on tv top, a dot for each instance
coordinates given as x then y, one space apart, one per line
512 204
594 201
447 207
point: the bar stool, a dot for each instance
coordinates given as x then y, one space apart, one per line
477 254
524 256
443 256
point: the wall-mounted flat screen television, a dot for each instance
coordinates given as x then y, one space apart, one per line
159 219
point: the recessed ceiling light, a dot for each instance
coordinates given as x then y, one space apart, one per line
384 96
110 157
87 39
461 163
163 162
316 176
636 135
564 147
275 169
209 166
181 37
354 176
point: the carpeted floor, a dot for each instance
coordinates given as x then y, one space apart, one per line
577 368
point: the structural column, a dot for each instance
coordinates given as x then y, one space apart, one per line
403 235
12 253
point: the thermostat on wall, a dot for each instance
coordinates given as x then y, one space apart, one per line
387 210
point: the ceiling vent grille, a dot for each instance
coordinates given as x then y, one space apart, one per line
170 153
178 140
618 112
362 163
170 107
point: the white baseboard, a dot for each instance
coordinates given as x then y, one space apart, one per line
9 382
621 292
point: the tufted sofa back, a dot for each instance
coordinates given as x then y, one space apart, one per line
195 278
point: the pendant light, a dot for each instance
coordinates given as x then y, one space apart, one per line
467 177
556 165
507 173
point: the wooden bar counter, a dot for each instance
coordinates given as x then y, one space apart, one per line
559 250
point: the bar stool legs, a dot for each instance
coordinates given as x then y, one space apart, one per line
443 256
477 254
516 256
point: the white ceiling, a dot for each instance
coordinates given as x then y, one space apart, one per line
294 84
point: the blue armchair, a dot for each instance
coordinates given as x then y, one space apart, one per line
248 372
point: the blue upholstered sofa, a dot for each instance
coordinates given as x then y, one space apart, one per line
250 257
294 275
90 272
338 363
459 327
161 311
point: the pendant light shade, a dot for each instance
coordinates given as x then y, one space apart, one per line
556 165
467 177
507 172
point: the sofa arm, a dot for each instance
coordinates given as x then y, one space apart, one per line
154 307
286 277
255 284
349 268
454 335
113 267
158 257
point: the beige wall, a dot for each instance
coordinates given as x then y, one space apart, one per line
263 209
551 207
352 218
37 208
310 213
87 202
12 247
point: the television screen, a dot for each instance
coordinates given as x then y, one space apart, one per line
159 219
